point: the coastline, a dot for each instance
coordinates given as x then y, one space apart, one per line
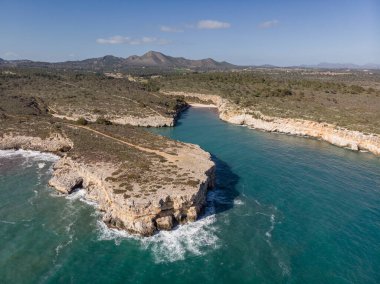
341 137
198 105
171 203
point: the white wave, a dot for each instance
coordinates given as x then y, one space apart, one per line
35 196
271 228
61 246
81 195
193 239
41 165
285 268
7 222
106 234
76 194
34 155
238 202
64 244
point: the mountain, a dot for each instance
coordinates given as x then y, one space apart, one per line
157 59
108 62
151 59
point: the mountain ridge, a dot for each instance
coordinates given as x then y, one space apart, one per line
158 60
151 59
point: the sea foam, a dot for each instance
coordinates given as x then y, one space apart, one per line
192 239
29 155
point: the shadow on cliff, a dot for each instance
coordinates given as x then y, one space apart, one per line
222 197
180 116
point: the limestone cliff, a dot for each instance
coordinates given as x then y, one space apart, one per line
147 121
154 119
333 134
54 143
144 215
169 203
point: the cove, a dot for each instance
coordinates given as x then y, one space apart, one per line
284 210
301 211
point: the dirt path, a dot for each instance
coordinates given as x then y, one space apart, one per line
147 150
167 156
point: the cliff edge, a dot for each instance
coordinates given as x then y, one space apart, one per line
232 113
141 182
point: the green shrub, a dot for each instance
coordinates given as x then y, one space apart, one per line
82 121
102 120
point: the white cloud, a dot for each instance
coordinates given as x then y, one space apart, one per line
168 29
212 25
131 41
268 24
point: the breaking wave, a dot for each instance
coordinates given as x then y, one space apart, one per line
196 238
29 155
191 239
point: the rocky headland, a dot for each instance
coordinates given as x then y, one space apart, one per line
141 182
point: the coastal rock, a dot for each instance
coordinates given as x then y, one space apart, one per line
141 214
165 223
147 121
142 210
55 143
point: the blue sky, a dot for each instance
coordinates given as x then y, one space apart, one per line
242 32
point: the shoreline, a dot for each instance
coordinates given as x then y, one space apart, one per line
341 137
169 204
198 105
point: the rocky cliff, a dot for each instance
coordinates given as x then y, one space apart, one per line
333 134
171 190
153 120
147 121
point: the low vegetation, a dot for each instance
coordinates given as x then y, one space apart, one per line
348 99
88 93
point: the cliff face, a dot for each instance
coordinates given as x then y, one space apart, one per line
341 137
54 143
148 121
153 120
168 204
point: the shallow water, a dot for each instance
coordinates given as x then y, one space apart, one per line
285 210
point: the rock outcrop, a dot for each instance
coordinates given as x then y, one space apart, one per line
54 143
160 210
153 120
147 121
333 134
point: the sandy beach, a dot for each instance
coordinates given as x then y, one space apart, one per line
202 105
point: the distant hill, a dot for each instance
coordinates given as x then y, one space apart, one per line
158 61
328 65
150 59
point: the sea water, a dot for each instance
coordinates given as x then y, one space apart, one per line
284 210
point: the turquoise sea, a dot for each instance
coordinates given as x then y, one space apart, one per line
285 210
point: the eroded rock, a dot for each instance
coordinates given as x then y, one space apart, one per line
165 223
